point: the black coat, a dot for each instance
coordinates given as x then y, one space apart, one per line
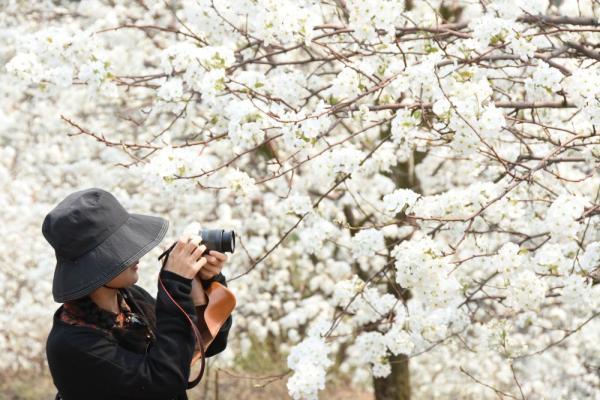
85 363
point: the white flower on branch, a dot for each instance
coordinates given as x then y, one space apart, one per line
366 242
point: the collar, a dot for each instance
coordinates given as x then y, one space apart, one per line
72 314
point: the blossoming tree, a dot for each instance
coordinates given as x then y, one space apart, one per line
414 184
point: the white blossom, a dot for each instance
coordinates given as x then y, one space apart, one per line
399 199
398 340
526 291
171 90
562 214
299 204
309 361
590 259
577 291
367 242
240 183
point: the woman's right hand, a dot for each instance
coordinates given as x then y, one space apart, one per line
184 259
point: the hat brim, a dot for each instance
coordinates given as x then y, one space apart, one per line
136 237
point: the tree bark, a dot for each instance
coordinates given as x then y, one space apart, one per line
396 386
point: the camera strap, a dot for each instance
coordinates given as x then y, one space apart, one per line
197 334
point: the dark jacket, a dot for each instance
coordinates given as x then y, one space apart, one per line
85 363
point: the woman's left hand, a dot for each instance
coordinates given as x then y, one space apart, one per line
215 261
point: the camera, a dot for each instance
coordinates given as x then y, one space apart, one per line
217 239
214 239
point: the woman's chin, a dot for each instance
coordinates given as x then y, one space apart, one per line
135 277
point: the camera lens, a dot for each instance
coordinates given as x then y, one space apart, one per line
218 239
228 241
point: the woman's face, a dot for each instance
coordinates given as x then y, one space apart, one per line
126 278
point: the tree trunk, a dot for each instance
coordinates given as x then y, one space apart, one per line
396 386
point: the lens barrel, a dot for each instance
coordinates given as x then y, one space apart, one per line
218 239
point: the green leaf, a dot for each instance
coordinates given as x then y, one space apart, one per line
497 38
220 84
430 49
252 117
464 76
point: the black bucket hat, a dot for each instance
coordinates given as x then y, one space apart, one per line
95 239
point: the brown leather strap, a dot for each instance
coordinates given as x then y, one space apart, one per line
197 333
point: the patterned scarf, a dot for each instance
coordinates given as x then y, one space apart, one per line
130 330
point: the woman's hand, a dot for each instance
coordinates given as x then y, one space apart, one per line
214 265
185 258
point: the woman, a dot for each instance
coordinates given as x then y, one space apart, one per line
111 339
